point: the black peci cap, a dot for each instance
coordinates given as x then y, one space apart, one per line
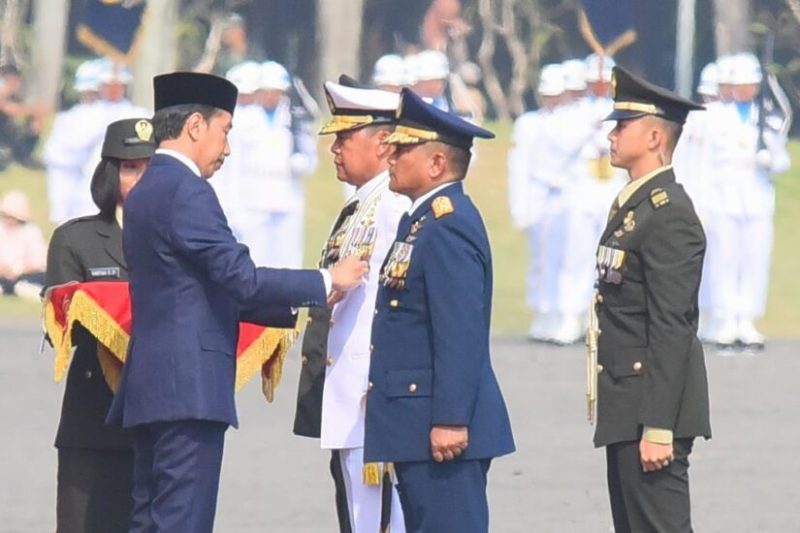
181 88
635 97
131 138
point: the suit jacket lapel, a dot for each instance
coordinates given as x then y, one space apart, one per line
636 198
112 240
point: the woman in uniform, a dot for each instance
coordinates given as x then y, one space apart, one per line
95 462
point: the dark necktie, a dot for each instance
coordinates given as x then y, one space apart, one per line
331 252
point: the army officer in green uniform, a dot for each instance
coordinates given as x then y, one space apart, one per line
652 391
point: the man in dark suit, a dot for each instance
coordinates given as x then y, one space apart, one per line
651 377
190 282
434 406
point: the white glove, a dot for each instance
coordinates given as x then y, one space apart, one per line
764 159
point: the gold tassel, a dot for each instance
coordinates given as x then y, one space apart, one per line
371 474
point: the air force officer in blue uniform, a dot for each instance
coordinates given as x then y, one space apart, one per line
434 406
190 283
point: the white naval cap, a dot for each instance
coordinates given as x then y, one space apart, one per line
274 76
246 76
745 69
599 68
428 65
709 85
352 107
87 76
725 69
111 72
551 80
574 75
390 69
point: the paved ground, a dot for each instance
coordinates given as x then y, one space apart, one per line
744 480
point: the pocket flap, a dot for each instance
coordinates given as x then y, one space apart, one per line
409 383
215 342
629 362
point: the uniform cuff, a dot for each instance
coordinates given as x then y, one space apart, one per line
657 436
326 279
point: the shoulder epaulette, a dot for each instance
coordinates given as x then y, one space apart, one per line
659 197
442 206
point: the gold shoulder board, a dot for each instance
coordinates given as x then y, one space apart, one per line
659 197
442 206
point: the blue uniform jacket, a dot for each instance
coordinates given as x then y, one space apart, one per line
190 283
430 360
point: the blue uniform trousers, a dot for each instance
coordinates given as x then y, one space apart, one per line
444 497
176 476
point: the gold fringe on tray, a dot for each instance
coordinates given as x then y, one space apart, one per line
91 316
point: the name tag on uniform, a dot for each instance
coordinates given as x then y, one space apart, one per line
104 272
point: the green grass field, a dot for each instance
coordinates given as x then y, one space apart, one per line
487 185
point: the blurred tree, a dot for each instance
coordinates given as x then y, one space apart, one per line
157 51
49 32
339 26
732 28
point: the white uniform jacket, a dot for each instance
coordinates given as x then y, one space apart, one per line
371 230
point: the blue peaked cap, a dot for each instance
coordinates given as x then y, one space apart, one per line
419 122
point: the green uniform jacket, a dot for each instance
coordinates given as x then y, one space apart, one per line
651 367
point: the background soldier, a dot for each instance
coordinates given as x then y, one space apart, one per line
652 390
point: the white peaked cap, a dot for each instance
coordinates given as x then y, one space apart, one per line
574 75
87 76
746 69
110 72
709 84
428 65
246 76
390 69
274 76
353 107
595 71
551 80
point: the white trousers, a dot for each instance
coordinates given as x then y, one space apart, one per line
546 253
364 501
737 268
275 239
578 274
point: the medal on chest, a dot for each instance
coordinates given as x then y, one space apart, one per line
609 264
393 274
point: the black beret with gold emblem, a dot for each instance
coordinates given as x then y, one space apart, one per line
635 97
131 138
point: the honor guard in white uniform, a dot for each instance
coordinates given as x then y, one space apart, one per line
72 151
591 186
537 166
361 120
745 151
692 163
261 184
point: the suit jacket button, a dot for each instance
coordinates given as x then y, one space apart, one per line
393 303
599 369
369 386
329 361
371 347
375 312
412 388
304 360
599 298
637 366
88 374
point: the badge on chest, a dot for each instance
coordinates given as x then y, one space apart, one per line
393 274
609 264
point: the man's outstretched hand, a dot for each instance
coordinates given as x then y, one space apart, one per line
348 273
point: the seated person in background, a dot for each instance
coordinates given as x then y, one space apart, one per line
20 123
23 251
